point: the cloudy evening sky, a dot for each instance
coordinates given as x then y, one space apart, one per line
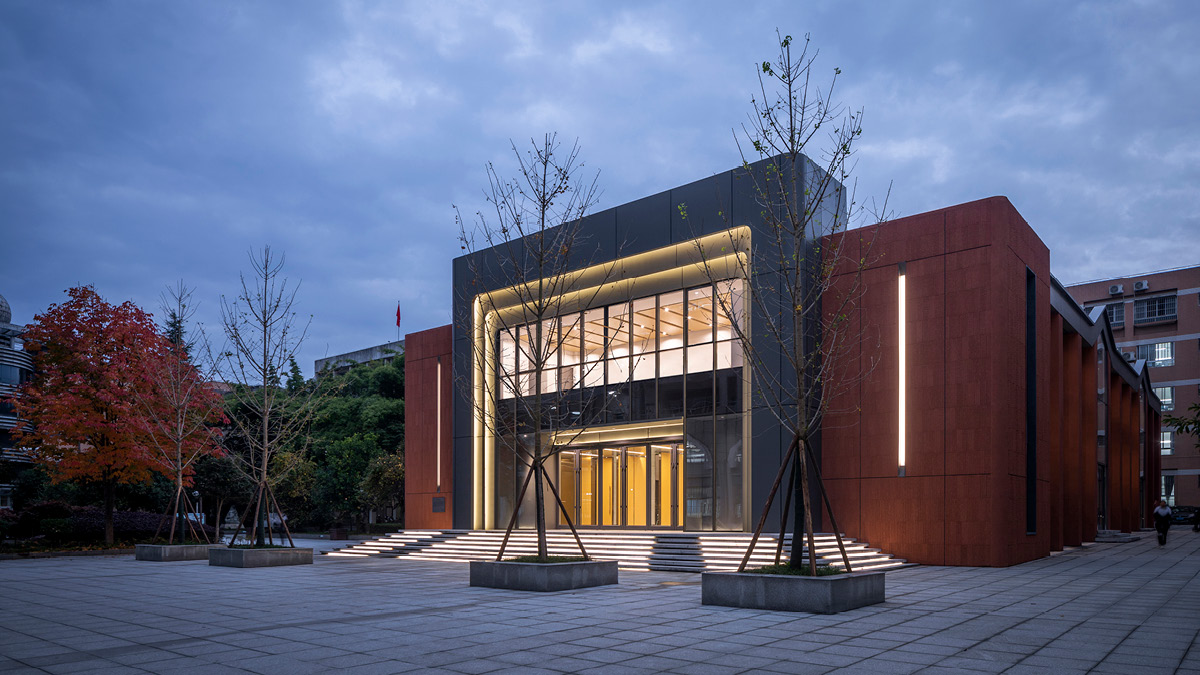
145 142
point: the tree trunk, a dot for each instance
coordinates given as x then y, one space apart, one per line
110 501
216 521
799 502
808 525
260 539
182 509
261 514
539 499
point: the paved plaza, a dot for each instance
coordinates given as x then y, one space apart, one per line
1117 608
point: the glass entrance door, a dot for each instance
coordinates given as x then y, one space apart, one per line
610 487
666 486
628 486
636 504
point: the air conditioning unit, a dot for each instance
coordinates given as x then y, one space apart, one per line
1130 356
1116 289
1142 285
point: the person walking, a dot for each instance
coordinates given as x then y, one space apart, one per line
1162 521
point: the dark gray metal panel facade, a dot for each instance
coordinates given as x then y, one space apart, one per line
712 204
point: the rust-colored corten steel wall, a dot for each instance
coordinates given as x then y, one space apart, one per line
962 500
423 492
1073 436
971 272
1057 453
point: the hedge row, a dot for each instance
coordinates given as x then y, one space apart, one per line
59 521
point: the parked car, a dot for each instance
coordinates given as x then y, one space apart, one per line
1182 515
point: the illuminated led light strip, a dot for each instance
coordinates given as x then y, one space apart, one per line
903 376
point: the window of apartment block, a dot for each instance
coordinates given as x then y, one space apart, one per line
10 375
1165 444
1167 396
6 501
1116 314
1153 310
1157 354
1168 490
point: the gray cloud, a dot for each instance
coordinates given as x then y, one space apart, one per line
145 142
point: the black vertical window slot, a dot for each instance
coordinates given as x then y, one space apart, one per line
1030 402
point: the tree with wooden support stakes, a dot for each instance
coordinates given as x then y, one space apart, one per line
536 350
800 285
269 421
183 414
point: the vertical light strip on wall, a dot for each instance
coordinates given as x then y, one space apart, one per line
438 442
903 319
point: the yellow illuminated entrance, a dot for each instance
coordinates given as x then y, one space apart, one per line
626 486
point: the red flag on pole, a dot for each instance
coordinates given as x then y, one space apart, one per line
397 315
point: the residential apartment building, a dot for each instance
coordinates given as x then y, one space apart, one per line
1156 317
16 366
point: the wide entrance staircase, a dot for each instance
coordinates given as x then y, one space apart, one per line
633 550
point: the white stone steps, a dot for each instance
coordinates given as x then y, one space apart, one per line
670 551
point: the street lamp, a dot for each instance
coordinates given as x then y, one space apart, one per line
199 505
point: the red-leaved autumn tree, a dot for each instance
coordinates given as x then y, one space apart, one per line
83 400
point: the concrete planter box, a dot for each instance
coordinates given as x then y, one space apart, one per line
259 557
173 552
519 576
781 592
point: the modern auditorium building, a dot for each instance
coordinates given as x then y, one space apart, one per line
998 421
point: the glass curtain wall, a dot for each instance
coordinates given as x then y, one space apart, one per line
669 356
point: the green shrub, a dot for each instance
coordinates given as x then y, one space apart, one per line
29 521
57 529
88 525
8 520
822 570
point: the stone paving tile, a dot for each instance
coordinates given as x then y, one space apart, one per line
561 649
980 664
909 657
1039 660
567 664
1022 669
982 653
382 668
476 666
1117 608
652 662
880 665
796 668
606 656
874 642
926 648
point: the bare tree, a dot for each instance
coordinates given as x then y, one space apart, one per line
268 418
535 276
182 411
797 153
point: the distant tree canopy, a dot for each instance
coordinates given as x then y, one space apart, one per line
354 461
